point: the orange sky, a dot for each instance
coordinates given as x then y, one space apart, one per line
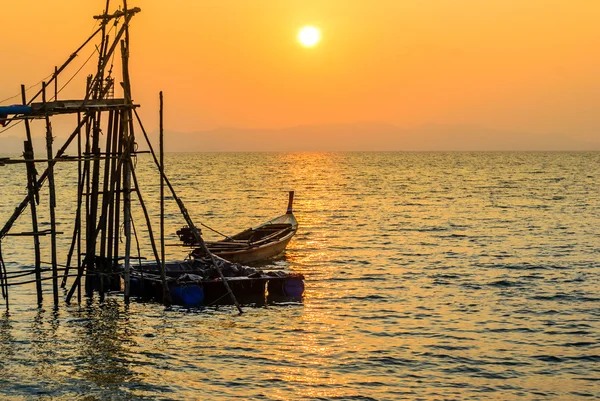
529 66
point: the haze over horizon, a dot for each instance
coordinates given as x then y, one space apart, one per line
431 74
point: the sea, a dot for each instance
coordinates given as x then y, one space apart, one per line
429 276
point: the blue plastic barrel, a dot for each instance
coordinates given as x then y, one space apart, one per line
293 287
135 287
187 295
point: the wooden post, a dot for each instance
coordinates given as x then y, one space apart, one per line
52 192
33 196
113 177
118 188
105 200
82 174
79 198
163 273
90 253
126 206
128 146
86 170
28 154
55 83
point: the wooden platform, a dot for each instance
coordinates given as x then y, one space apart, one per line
76 106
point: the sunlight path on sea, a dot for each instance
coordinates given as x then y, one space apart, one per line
460 276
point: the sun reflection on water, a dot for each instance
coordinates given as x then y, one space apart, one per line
428 276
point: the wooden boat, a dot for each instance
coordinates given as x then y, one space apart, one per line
256 244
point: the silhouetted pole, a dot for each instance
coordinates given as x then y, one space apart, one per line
128 145
102 224
55 83
163 273
33 196
91 236
111 189
52 192
79 198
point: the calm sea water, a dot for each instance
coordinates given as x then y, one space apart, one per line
429 276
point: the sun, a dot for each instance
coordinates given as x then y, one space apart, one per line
309 36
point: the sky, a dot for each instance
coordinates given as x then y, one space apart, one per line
525 69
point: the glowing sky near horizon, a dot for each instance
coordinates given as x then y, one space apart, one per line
528 66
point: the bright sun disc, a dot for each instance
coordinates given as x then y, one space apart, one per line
309 36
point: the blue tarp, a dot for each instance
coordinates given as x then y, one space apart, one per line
15 109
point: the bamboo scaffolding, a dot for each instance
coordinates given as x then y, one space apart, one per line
105 179
33 195
52 205
114 191
79 199
163 274
101 230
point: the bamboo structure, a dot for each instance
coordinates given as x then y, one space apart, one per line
106 179
106 173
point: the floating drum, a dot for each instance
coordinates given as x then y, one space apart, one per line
135 287
293 287
188 295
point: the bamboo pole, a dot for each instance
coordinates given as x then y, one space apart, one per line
79 196
52 192
88 180
136 188
55 83
90 252
28 151
85 177
163 273
105 200
126 208
118 190
113 177
128 147
82 179
32 192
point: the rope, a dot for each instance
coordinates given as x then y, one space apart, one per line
19 94
74 75
45 79
12 126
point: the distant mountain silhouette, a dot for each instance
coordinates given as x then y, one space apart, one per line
371 137
368 136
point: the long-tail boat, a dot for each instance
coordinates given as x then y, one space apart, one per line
256 244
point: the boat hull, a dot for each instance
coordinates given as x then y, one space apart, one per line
253 255
263 242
